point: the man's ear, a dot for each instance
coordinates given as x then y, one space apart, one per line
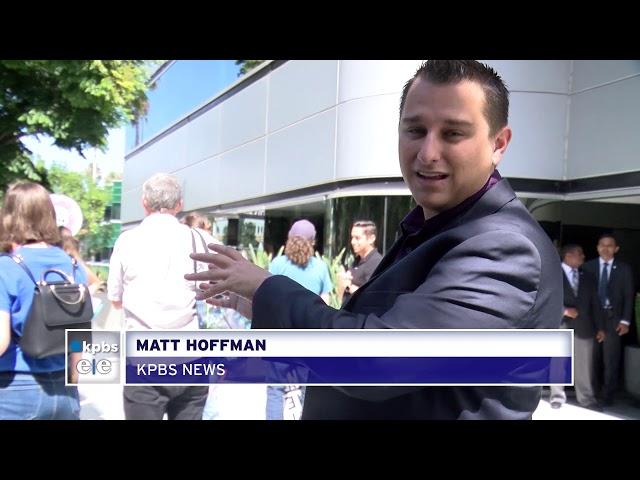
500 143
145 206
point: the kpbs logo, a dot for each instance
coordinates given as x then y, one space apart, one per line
94 356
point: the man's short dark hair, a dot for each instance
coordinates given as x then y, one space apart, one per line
368 226
496 109
569 248
609 235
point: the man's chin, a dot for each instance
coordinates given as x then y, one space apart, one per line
432 208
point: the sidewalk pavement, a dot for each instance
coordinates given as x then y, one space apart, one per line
247 402
625 408
569 412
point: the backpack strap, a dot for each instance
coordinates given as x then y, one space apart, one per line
193 245
74 266
206 249
20 261
204 243
195 282
195 264
194 250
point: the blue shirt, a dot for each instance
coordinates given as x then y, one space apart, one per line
16 296
314 277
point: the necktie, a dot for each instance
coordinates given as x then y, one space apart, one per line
602 284
574 281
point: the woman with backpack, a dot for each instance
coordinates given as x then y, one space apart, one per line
30 388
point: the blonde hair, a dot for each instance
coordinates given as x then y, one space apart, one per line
194 219
299 250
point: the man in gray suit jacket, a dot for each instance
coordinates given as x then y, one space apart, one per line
469 256
583 314
616 294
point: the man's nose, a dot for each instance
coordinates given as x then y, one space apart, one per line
430 149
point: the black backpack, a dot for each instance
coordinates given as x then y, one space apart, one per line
57 305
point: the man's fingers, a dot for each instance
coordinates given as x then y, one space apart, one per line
218 260
203 257
622 329
206 275
223 302
215 289
226 251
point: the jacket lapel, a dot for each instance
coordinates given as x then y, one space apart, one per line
568 290
490 202
613 273
581 281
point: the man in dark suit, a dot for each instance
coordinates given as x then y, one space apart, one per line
616 294
469 256
583 314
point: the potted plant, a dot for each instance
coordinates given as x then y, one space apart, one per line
632 359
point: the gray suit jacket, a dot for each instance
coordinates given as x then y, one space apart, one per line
492 267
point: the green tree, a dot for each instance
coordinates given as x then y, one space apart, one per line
102 236
75 102
246 65
248 234
334 264
91 198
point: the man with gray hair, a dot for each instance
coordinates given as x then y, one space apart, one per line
146 281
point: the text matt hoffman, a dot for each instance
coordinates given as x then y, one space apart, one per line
202 345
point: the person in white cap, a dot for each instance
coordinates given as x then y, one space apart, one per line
299 264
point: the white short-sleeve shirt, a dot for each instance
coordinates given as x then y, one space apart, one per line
147 271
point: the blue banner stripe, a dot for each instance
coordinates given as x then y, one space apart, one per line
349 370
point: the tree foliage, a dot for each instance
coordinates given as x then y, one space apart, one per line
246 65
75 102
93 201
248 234
334 265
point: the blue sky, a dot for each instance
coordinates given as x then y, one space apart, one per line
110 161
185 85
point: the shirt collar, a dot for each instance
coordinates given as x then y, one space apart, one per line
610 262
368 255
159 218
567 269
415 222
